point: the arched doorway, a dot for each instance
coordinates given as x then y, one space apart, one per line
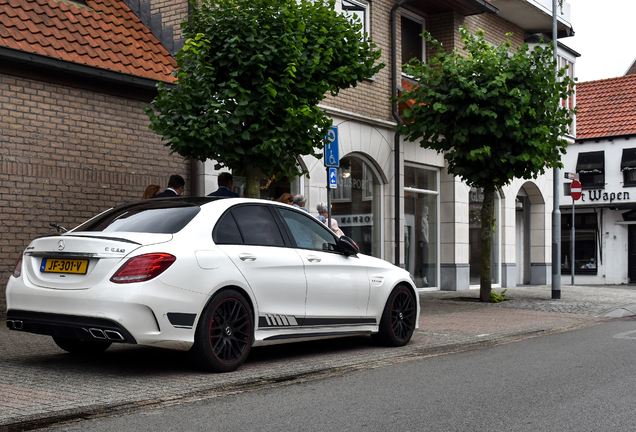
530 236
357 203
522 237
475 204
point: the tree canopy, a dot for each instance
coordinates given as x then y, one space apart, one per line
249 80
496 113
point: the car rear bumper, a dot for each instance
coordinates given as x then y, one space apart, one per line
68 326
151 314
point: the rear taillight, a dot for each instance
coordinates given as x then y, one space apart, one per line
17 271
143 268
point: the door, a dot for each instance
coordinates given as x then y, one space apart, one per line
250 237
631 251
337 285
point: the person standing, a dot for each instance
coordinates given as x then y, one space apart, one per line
226 186
150 191
299 201
286 198
322 210
176 184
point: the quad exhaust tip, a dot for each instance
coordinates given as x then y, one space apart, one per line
111 335
15 324
99 334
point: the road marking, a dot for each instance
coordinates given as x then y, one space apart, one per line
627 335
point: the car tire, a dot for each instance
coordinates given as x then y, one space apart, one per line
79 347
224 334
398 318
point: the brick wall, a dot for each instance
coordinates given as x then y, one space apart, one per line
173 12
371 97
67 154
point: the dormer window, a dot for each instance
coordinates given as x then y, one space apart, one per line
591 169
628 166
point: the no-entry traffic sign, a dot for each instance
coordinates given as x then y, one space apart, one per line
575 190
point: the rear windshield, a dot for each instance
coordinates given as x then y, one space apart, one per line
146 217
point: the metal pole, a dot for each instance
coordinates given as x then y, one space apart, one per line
572 239
556 212
328 201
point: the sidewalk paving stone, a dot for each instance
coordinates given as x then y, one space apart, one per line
41 384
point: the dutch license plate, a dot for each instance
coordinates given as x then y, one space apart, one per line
56 265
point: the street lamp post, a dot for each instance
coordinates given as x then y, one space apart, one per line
556 212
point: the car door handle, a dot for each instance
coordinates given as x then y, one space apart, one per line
313 258
247 257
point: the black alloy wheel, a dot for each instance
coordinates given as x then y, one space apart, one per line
398 319
229 331
403 316
225 333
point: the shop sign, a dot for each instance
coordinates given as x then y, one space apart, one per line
354 220
599 195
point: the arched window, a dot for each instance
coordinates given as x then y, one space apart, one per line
356 204
476 202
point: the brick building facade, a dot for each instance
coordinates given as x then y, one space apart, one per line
75 140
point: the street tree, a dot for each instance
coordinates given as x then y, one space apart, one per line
495 112
249 80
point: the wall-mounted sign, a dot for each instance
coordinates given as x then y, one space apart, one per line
596 196
354 220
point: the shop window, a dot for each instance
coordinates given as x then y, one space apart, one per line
628 166
358 10
421 203
412 42
585 244
343 192
356 204
591 169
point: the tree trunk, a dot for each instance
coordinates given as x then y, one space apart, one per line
487 225
253 182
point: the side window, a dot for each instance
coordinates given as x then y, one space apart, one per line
308 233
257 226
226 231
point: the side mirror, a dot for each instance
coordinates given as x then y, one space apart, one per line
348 246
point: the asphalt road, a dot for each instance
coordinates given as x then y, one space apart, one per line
580 380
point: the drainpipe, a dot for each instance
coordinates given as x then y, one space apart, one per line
556 190
396 116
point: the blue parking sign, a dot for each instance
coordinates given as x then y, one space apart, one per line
331 155
333 178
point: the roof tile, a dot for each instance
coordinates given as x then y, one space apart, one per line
606 108
109 36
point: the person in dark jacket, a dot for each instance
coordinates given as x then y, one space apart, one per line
226 186
176 184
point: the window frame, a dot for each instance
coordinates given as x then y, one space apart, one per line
628 166
360 5
590 168
405 14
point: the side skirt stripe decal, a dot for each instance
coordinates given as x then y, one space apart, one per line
271 320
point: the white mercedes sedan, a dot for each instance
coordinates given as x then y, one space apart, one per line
215 276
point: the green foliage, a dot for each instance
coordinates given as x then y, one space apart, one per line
249 78
498 298
495 113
